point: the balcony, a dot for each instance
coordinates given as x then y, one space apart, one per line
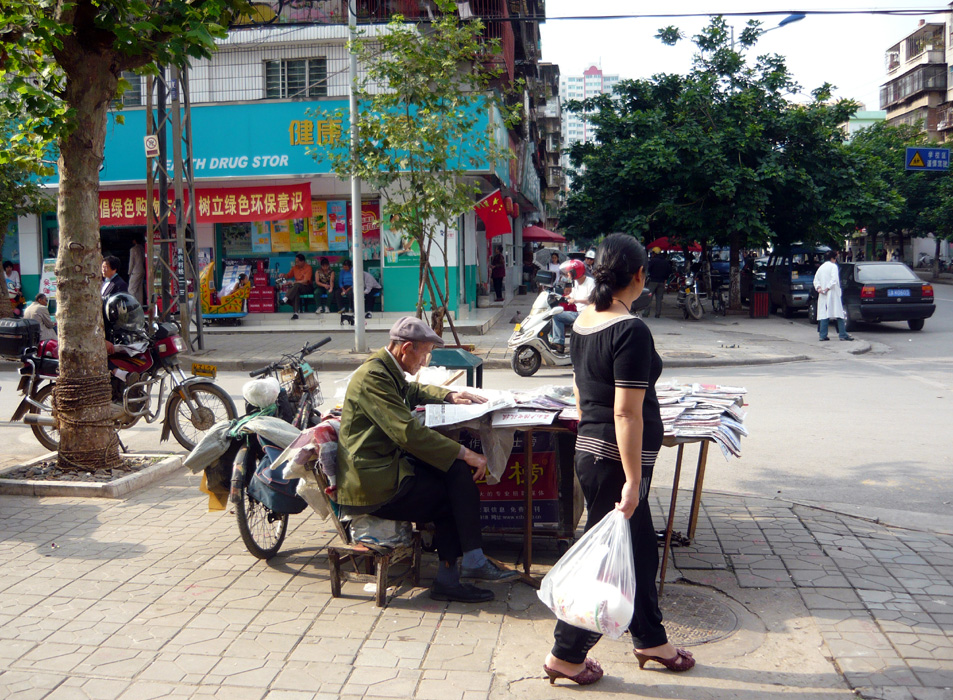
944 117
920 80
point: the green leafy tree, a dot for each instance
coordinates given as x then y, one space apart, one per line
60 68
422 95
721 155
900 202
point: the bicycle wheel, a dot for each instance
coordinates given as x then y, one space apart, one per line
262 530
212 405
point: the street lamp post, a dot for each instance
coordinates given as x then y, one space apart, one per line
790 19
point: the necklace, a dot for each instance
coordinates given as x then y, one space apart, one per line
621 302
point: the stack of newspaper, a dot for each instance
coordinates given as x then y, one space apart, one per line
707 411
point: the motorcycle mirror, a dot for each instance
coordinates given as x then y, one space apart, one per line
642 303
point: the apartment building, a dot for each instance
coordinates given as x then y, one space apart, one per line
576 129
917 78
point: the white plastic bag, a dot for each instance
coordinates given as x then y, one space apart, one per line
261 392
593 585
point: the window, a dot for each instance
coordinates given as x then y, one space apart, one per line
132 97
307 77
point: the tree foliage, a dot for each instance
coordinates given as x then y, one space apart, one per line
60 68
423 93
721 155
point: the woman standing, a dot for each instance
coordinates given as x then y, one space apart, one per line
620 432
498 272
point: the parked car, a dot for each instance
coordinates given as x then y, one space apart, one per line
753 274
790 277
881 291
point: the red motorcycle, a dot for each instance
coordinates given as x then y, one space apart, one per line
140 363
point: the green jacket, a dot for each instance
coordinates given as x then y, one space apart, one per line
378 426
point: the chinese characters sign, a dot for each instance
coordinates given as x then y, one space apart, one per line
502 504
225 205
320 132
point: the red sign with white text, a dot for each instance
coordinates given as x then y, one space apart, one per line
219 206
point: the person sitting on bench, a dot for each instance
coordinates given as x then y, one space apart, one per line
372 289
344 292
391 466
303 277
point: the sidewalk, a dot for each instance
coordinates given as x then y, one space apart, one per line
712 342
154 597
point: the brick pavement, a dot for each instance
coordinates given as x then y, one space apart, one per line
153 596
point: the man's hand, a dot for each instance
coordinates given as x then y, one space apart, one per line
475 459
465 397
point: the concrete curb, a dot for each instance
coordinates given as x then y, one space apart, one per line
113 489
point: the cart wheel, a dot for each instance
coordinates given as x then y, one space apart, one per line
562 546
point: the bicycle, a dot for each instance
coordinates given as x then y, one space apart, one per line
263 528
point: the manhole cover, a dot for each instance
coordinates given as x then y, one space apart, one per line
688 355
692 617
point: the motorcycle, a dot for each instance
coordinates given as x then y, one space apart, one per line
142 361
530 339
689 298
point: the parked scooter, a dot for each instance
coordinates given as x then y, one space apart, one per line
142 360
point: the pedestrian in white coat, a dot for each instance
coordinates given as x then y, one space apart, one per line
829 305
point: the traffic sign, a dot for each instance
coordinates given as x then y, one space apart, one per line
928 159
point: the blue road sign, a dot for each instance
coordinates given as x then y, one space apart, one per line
928 159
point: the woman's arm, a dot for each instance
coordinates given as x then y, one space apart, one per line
628 431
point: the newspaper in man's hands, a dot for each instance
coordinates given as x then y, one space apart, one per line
438 414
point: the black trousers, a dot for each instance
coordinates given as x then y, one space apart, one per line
450 500
498 287
602 480
344 300
295 292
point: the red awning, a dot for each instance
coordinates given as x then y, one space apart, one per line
539 234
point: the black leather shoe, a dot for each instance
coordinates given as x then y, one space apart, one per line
488 572
461 593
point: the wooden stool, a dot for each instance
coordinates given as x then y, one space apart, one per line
375 561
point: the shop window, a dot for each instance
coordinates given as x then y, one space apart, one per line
290 79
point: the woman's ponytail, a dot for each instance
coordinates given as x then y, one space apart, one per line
618 258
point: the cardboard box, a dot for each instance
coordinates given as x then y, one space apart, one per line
254 307
260 279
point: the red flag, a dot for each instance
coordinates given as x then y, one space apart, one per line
491 211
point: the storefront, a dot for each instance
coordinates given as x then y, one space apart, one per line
264 194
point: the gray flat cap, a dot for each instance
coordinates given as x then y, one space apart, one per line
410 329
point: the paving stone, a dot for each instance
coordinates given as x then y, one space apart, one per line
831 598
20 685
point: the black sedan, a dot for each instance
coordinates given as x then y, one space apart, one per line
881 291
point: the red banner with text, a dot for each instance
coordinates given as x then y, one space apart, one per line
218 206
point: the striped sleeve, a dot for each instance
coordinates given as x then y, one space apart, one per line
632 356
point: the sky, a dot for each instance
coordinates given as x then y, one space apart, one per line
844 50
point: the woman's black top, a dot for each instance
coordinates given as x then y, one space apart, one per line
617 353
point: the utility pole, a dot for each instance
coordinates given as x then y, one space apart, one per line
360 341
160 265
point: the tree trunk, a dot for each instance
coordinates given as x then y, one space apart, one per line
82 398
